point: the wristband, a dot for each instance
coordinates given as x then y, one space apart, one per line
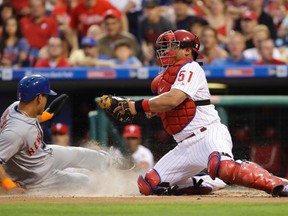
145 105
8 184
46 116
142 106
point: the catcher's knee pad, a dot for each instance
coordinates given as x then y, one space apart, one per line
213 164
148 184
214 160
246 173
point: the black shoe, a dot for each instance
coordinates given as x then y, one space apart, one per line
280 190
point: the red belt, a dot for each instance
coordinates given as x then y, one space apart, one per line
193 134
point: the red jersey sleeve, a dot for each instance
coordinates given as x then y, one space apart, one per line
63 62
54 27
74 22
41 63
60 9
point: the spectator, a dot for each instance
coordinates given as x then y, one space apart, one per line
219 19
197 25
13 47
55 55
133 10
37 28
236 7
182 13
95 31
235 46
260 32
283 30
21 7
89 55
61 12
141 155
278 11
282 41
248 24
152 25
6 11
124 57
262 17
91 12
60 134
211 49
114 33
201 7
265 49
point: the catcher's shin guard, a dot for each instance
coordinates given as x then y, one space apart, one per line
246 174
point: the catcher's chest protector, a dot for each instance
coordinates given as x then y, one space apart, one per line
176 119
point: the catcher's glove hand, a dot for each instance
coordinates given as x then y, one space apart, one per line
109 103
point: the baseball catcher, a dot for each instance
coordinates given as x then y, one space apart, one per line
183 103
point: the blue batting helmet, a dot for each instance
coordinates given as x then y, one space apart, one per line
31 86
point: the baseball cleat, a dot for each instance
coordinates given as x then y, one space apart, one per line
280 190
193 191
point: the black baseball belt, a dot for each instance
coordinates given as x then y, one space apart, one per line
202 102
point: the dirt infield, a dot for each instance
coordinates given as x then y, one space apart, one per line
227 195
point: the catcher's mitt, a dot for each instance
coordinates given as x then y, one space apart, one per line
109 103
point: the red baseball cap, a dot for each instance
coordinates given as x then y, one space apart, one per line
132 131
112 13
249 15
60 128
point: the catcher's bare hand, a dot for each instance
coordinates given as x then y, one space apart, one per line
118 107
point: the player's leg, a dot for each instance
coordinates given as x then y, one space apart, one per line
77 157
62 182
245 173
172 168
179 166
201 183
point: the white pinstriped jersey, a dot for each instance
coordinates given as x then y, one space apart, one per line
191 79
23 153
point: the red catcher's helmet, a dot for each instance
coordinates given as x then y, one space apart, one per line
169 41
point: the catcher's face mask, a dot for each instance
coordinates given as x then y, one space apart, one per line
167 44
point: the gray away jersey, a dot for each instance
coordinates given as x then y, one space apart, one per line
23 152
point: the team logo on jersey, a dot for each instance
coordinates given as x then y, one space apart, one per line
35 146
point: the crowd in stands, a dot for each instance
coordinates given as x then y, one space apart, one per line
113 33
